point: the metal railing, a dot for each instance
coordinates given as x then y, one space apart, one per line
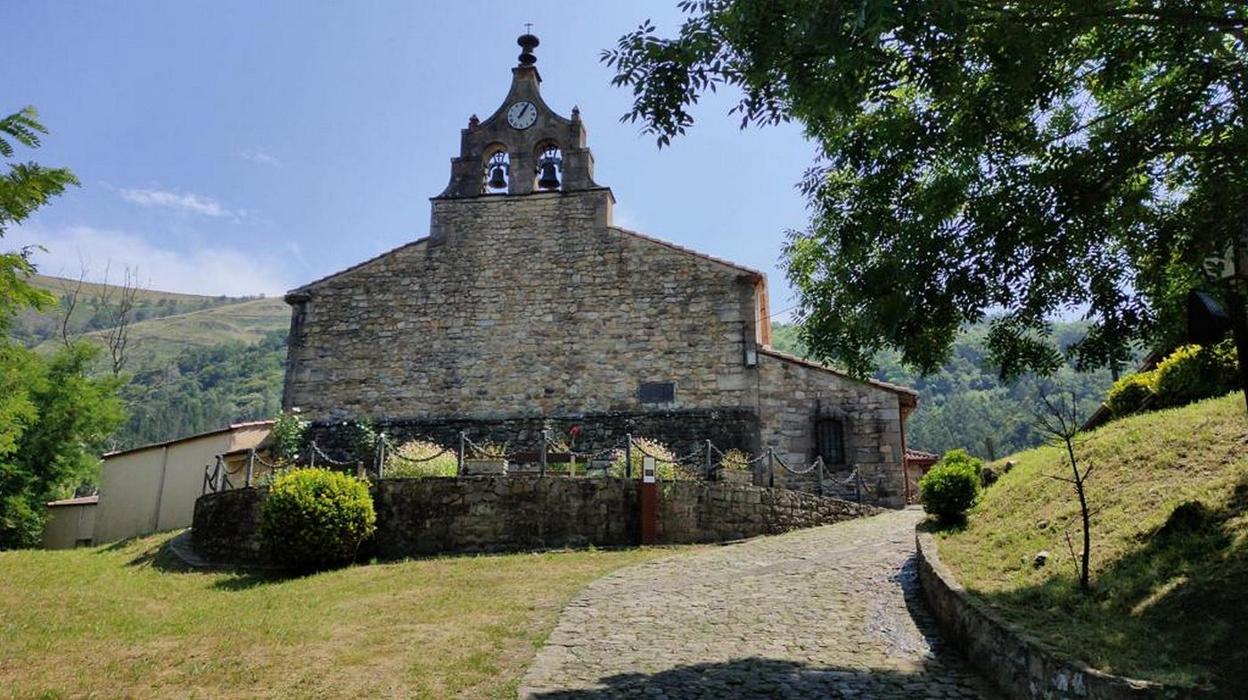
706 462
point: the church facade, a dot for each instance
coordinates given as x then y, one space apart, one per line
525 309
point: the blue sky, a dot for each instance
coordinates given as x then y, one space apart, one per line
247 147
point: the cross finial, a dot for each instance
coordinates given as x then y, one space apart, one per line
528 27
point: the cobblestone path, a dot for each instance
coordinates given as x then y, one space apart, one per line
828 612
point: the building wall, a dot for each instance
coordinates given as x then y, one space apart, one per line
69 525
522 305
417 517
130 486
153 489
794 392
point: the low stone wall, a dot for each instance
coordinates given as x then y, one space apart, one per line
509 513
1022 666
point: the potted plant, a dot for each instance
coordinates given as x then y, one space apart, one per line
734 468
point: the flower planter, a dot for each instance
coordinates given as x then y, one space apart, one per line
733 476
485 467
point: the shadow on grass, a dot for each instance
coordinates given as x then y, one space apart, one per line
1173 609
757 677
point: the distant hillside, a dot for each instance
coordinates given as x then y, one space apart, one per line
157 340
91 311
1169 547
196 362
964 404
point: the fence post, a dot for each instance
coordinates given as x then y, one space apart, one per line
251 465
459 470
628 456
312 456
819 461
857 486
381 457
708 460
771 468
541 469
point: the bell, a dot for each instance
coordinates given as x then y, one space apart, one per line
497 180
550 178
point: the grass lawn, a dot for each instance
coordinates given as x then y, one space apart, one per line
122 620
1170 598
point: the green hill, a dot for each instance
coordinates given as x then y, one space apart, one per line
196 362
91 311
1169 547
965 404
155 341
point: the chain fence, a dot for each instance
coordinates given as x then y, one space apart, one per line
707 462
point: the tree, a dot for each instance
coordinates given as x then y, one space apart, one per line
61 417
23 189
1027 159
1057 415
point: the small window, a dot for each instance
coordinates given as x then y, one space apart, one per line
657 392
830 440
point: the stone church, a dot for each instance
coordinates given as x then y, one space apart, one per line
527 308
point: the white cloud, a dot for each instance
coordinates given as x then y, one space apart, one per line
255 155
194 203
211 271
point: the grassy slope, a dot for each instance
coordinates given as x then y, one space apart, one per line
119 621
1171 595
159 339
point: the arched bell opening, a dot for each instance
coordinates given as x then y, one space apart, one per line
549 167
496 174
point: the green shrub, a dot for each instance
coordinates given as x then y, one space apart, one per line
950 488
1192 373
433 460
315 518
287 436
664 467
1129 393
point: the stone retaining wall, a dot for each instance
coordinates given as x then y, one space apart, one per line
1022 666
508 513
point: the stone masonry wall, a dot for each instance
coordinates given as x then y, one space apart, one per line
792 392
473 514
521 305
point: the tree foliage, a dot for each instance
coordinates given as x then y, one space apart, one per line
1023 159
203 389
54 420
23 189
964 403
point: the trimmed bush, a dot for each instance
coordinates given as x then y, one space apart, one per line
1192 373
315 519
431 459
1129 393
950 488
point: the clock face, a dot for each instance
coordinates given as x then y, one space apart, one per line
521 115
